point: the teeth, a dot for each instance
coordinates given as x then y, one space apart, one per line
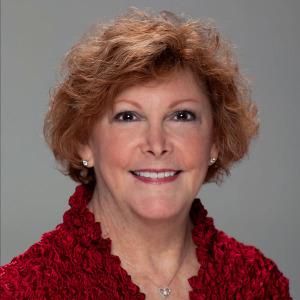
161 175
155 175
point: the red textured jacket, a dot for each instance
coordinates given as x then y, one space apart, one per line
75 262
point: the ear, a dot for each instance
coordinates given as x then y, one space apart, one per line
85 152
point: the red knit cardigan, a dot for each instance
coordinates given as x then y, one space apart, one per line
75 262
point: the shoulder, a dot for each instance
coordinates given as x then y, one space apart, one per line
36 272
230 269
249 271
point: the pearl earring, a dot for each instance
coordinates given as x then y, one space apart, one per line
85 163
212 161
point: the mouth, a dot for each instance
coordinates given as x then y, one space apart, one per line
156 176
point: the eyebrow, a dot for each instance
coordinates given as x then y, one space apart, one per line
130 102
180 101
173 104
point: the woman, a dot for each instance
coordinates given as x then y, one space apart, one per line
150 109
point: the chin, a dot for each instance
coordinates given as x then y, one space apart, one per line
158 208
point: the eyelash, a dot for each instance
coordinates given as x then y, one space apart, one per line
120 116
192 116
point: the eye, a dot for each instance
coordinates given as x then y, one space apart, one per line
126 116
184 115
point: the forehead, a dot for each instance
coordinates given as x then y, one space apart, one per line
178 85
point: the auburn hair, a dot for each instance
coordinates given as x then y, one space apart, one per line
138 47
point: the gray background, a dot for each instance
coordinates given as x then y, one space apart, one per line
258 204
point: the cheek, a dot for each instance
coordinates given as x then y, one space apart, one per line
195 146
111 150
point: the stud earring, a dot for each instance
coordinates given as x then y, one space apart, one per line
212 161
85 163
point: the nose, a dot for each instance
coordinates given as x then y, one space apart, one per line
156 141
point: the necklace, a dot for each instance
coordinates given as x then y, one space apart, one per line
165 290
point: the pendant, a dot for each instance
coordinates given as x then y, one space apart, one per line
165 292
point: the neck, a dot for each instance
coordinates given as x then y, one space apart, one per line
154 245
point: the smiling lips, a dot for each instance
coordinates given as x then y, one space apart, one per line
156 176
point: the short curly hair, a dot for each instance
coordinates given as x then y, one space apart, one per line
138 47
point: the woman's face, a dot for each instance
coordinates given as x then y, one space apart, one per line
151 152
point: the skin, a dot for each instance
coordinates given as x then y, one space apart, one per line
168 124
